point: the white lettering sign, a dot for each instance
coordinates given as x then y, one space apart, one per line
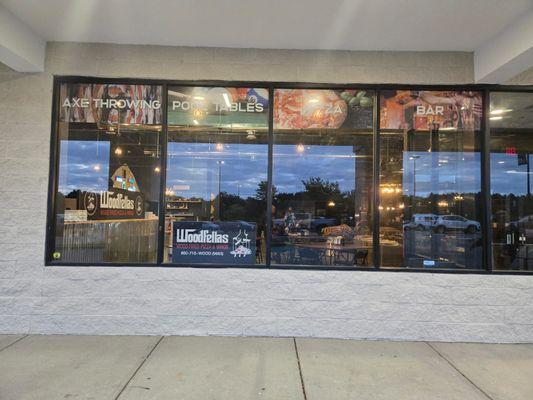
112 103
430 110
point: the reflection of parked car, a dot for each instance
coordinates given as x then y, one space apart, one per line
523 223
445 223
420 222
524 226
319 223
303 220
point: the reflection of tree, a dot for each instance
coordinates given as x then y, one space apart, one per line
262 190
321 189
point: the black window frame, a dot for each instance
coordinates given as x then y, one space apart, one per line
486 211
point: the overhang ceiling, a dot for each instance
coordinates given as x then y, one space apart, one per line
459 25
384 25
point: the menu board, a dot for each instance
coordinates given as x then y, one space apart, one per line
220 107
296 109
213 242
425 110
110 103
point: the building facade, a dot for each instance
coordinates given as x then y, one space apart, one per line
304 161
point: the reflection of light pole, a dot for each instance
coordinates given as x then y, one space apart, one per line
219 163
414 158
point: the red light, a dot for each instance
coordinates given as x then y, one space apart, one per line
510 150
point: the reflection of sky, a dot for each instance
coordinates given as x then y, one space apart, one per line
77 165
245 165
195 165
331 163
506 176
441 172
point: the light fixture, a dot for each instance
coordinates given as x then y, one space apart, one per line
501 162
313 100
198 98
497 118
118 151
500 111
226 99
195 122
157 169
96 167
197 113
331 203
219 147
318 114
300 148
251 135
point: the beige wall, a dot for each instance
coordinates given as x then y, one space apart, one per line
523 78
156 300
262 65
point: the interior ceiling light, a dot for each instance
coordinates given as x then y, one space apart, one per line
251 135
300 148
226 99
500 111
219 147
197 113
497 118
118 151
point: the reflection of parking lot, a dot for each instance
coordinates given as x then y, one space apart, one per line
442 223
454 249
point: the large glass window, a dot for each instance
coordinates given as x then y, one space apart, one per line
430 190
107 199
216 188
511 160
322 178
118 153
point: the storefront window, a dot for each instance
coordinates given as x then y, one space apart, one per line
511 160
322 178
430 190
216 188
118 153
107 199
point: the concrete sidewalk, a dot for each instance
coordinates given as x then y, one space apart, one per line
219 368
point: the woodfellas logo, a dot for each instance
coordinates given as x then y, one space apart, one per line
90 202
202 236
113 203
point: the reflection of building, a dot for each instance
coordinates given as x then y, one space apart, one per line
123 178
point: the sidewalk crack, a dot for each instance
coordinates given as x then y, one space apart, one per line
12 343
138 368
459 371
299 368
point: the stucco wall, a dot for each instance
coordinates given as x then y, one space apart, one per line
187 301
523 78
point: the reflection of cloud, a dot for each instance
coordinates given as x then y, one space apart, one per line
442 172
76 167
506 176
195 164
333 163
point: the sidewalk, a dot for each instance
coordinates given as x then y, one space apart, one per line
220 368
